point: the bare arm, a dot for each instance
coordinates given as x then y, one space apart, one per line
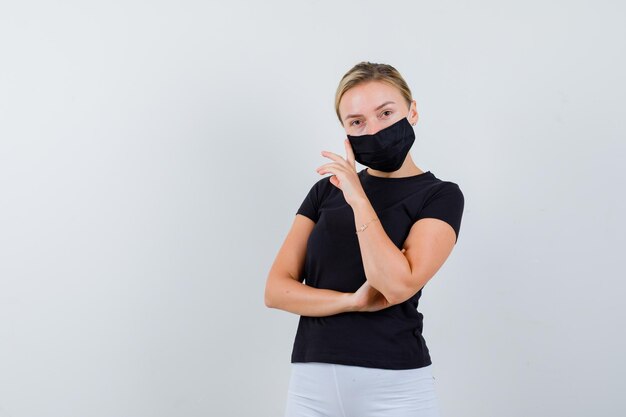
298 298
399 274
284 289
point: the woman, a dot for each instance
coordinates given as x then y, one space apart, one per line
366 243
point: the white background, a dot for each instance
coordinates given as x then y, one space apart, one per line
153 155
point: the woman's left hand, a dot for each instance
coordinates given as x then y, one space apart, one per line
344 175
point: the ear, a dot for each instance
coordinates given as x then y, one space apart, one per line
413 115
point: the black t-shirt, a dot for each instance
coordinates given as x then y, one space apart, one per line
390 338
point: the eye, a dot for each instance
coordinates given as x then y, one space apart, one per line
352 123
387 111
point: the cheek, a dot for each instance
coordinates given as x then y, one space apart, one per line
356 130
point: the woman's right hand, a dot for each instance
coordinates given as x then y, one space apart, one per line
368 298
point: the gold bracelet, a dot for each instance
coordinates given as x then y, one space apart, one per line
365 225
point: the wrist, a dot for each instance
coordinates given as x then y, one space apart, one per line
360 202
349 302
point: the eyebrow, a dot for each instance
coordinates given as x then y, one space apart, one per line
377 108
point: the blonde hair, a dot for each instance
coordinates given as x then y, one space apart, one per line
368 71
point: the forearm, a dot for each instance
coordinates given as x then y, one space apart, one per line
298 298
386 267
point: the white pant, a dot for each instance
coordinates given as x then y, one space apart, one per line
331 390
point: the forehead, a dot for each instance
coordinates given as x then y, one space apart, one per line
364 98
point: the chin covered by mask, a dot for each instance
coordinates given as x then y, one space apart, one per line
386 149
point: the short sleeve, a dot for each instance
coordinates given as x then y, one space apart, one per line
445 204
311 203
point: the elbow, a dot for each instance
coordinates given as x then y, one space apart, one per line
277 290
394 298
274 292
401 292
397 298
392 295
270 303
268 297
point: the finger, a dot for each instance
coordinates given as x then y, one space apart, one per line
349 153
333 156
333 169
329 167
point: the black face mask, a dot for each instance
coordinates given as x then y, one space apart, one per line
386 149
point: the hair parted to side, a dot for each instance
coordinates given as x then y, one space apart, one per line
368 71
